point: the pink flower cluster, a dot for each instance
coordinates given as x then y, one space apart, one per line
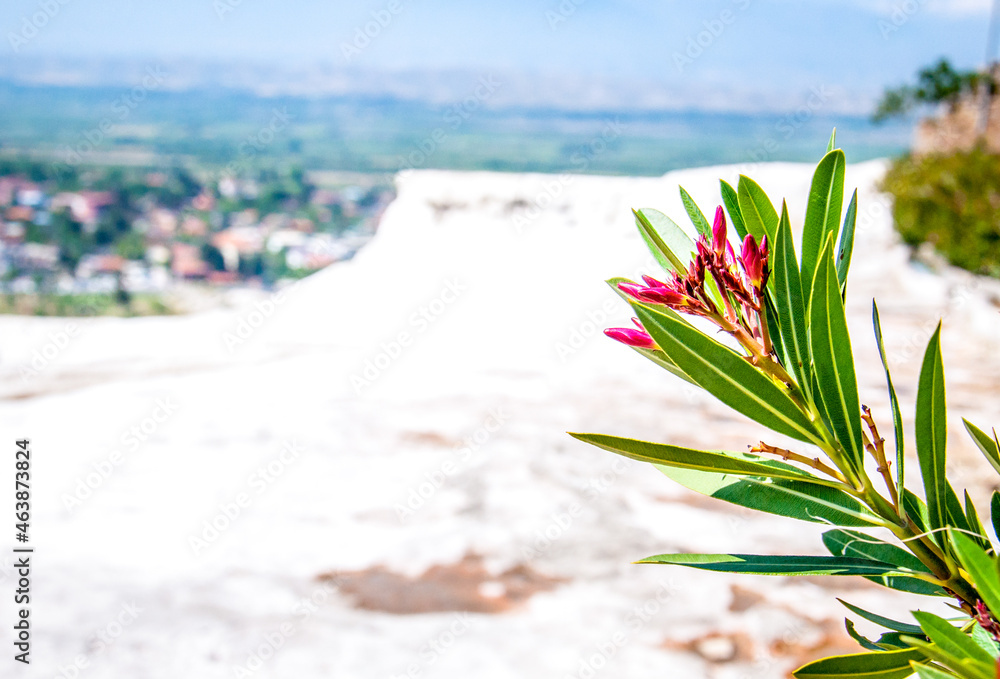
739 280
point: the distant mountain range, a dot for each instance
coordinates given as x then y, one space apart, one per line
576 93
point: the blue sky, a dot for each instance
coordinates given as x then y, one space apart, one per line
763 45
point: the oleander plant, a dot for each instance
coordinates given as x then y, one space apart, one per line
785 361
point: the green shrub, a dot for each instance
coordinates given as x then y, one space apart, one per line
788 365
953 203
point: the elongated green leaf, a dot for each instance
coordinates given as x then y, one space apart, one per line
758 212
662 360
833 361
916 510
770 313
897 415
790 303
793 499
853 543
696 215
863 641
975 525
727 375
995 513
956 514
668 243
833 141
892 641
688 458
888 623
928 672
987 444
846 247
910 584
732 202
931 434
756 564
981 567
950 639
880 665
826 199
985 641
968 668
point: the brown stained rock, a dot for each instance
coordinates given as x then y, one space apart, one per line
462 586
717 647
744 599
430 438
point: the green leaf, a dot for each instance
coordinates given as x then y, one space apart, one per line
891 641
847 241
988 445
826 198
833 361
879 665
956 514
727 375
985 641
897 415
909 584
928 672
931 432
688 458
852 543
864 642
995 513
969 668
697 216
950 639
756 564
916 510
662 360
792 499
758 212
833 141
888 623
770 313
789 300
732 202
671 247
975 525
980 567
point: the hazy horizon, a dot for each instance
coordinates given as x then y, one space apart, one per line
729 55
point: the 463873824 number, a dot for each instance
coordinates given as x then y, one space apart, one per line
22 489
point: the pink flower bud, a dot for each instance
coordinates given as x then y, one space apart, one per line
754 260
719 232
663 295
631 289
633 338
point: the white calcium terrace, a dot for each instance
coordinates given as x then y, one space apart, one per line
494 346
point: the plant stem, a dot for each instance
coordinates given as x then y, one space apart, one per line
786 455
877 449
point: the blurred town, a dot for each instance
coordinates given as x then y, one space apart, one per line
121 232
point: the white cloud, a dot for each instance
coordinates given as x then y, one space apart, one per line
953 8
